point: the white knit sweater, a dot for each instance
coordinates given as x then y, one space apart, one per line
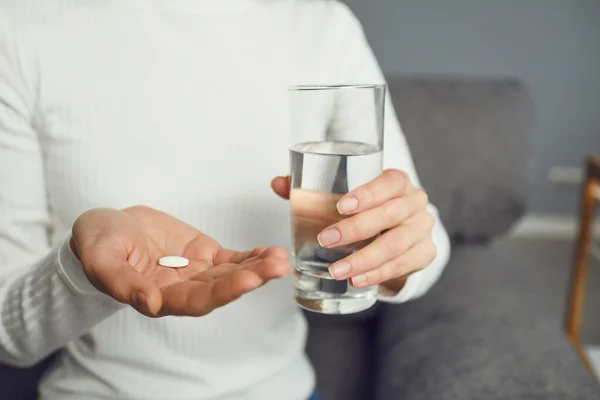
179 105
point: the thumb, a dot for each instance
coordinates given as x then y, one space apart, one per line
122 282
281 186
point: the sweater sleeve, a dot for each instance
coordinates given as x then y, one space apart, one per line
357 64
45 298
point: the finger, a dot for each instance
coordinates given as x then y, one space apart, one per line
371 222
193 268
415 259
217 272
386 247
258 259
271 267
275 252
237 257
202 247
220 286
281 186
315 205
126 285
198 298
392 183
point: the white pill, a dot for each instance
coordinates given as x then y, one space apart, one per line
174 261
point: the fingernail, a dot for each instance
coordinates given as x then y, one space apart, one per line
347 204
340 269
359 279
329 237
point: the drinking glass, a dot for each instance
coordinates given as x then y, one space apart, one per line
336 146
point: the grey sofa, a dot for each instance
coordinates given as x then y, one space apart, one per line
490 329
486 331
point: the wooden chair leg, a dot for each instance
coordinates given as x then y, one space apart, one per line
579 273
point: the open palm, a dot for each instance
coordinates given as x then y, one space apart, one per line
120 250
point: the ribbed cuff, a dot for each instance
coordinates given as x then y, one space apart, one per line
407 293
71 270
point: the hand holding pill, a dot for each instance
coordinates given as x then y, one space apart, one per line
162 266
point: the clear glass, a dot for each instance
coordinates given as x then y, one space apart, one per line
336 146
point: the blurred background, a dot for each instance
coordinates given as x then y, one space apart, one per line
552 46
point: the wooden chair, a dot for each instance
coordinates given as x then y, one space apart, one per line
583 250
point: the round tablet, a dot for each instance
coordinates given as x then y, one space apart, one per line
174 261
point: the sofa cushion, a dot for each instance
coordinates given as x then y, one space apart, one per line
470 140
490 329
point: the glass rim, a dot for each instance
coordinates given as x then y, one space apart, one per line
337 86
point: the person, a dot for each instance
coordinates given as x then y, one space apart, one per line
135 129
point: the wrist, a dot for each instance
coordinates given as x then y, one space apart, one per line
394 286
400 290
71 269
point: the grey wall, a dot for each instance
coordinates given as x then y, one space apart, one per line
552 45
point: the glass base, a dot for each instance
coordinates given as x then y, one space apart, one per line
318 292
335 306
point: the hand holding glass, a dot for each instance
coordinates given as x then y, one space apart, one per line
337 145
